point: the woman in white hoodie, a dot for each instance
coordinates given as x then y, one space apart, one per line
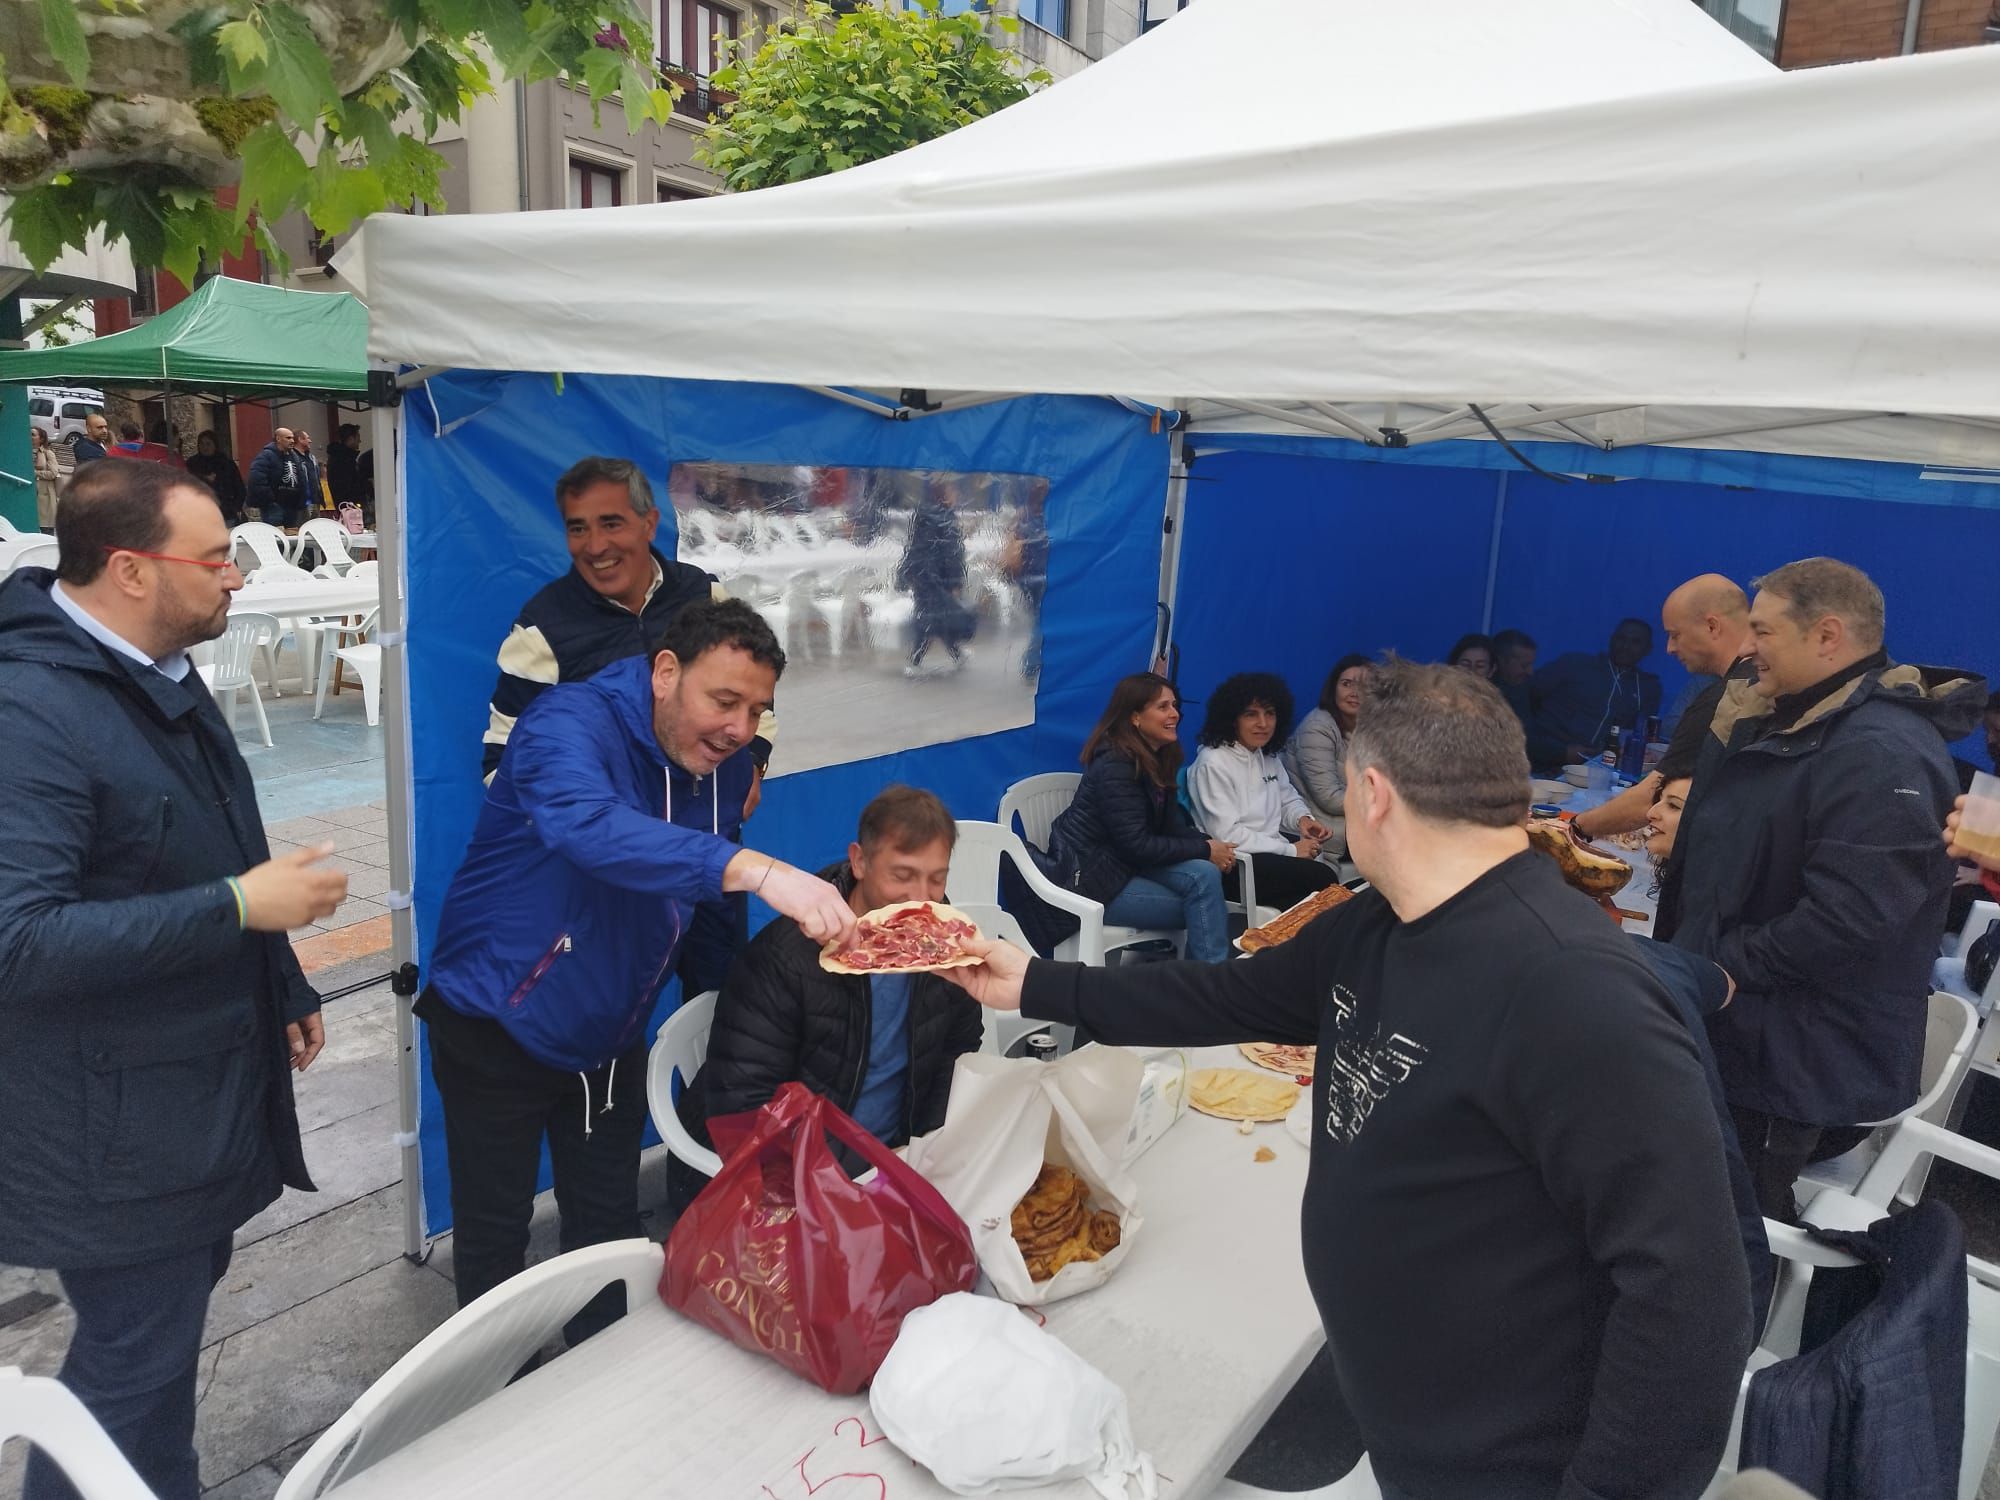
1242 796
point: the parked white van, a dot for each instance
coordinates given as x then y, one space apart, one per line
61 410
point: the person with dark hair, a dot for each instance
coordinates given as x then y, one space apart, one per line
132 443
1808 866
616 598
343 467
1241 794
880 1046
606 829
1518 1226
218 471
933 570
1582 701
1315 754
1124 841
1473 653
153 1011
1514 671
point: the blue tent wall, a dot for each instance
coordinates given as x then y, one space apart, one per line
1299 550
483 534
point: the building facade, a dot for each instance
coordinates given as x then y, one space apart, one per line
1814 33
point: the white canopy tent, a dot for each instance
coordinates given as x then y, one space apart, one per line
1603 221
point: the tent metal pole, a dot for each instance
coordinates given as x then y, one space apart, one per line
1170 548
886 413
1360 429
1554 416
386 431
1493 552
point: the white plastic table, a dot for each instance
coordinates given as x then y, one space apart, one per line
300 598
1206 1326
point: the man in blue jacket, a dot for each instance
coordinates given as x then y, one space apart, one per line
151 1011
610 819
1581 701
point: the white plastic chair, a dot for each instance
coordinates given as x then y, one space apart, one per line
29 552
230 668
1001 1030
473 1355
341 641
681 1047
1949 1032
1039 800
9 532
45 1412
267 544
331 538
1357 1484
975 877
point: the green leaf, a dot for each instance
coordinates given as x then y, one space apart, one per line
274 173
338 196
243 44
296 75
63 30
43 223
197 31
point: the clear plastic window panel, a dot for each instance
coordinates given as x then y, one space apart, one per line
908 602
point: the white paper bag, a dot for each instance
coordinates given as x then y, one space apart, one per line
1006 1118
987 1401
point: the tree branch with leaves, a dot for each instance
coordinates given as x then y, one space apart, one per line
127 115
839 89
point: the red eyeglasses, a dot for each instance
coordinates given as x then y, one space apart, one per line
169 557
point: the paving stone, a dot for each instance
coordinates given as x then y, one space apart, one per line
324 949
299 831
37 1342
377 999
260 1483
354 1072
374 851
353 909
293 1374
348 1159
345 838
354 817
296 1265
21 1281
364 880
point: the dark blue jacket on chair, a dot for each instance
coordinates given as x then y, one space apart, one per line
1873 1407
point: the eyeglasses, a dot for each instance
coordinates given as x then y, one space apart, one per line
169 557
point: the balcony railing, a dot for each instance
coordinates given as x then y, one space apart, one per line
699 100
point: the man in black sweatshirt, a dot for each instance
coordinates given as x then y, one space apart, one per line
1517 1223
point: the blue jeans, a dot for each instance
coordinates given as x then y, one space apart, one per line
1187 895
132 1361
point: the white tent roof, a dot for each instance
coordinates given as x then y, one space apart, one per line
1588 205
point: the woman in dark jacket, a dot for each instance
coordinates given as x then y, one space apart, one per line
1124 840
218 471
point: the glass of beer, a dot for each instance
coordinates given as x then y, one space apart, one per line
1979 824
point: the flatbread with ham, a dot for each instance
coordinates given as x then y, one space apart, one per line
1239 1094
910 937
1281 1057
1293 920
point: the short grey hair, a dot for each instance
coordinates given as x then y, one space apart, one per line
1816 587
585 472
1446 740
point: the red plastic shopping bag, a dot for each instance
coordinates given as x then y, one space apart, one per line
784 1254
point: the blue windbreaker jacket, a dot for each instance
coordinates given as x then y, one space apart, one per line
591 852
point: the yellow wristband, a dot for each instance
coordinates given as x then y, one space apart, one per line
242 907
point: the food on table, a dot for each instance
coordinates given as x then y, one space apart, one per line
1591 870
1288 924
1054 1224
1265 1153
1239 1094
910 937
1281 1057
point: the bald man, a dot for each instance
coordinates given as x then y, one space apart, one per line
278 481
1707 620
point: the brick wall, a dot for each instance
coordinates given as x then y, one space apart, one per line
1816 32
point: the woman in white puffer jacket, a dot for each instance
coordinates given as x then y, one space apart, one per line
1241 794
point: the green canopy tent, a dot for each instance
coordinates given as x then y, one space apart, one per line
240 340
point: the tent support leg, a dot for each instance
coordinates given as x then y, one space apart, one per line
1493 552
1170 549
386 435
